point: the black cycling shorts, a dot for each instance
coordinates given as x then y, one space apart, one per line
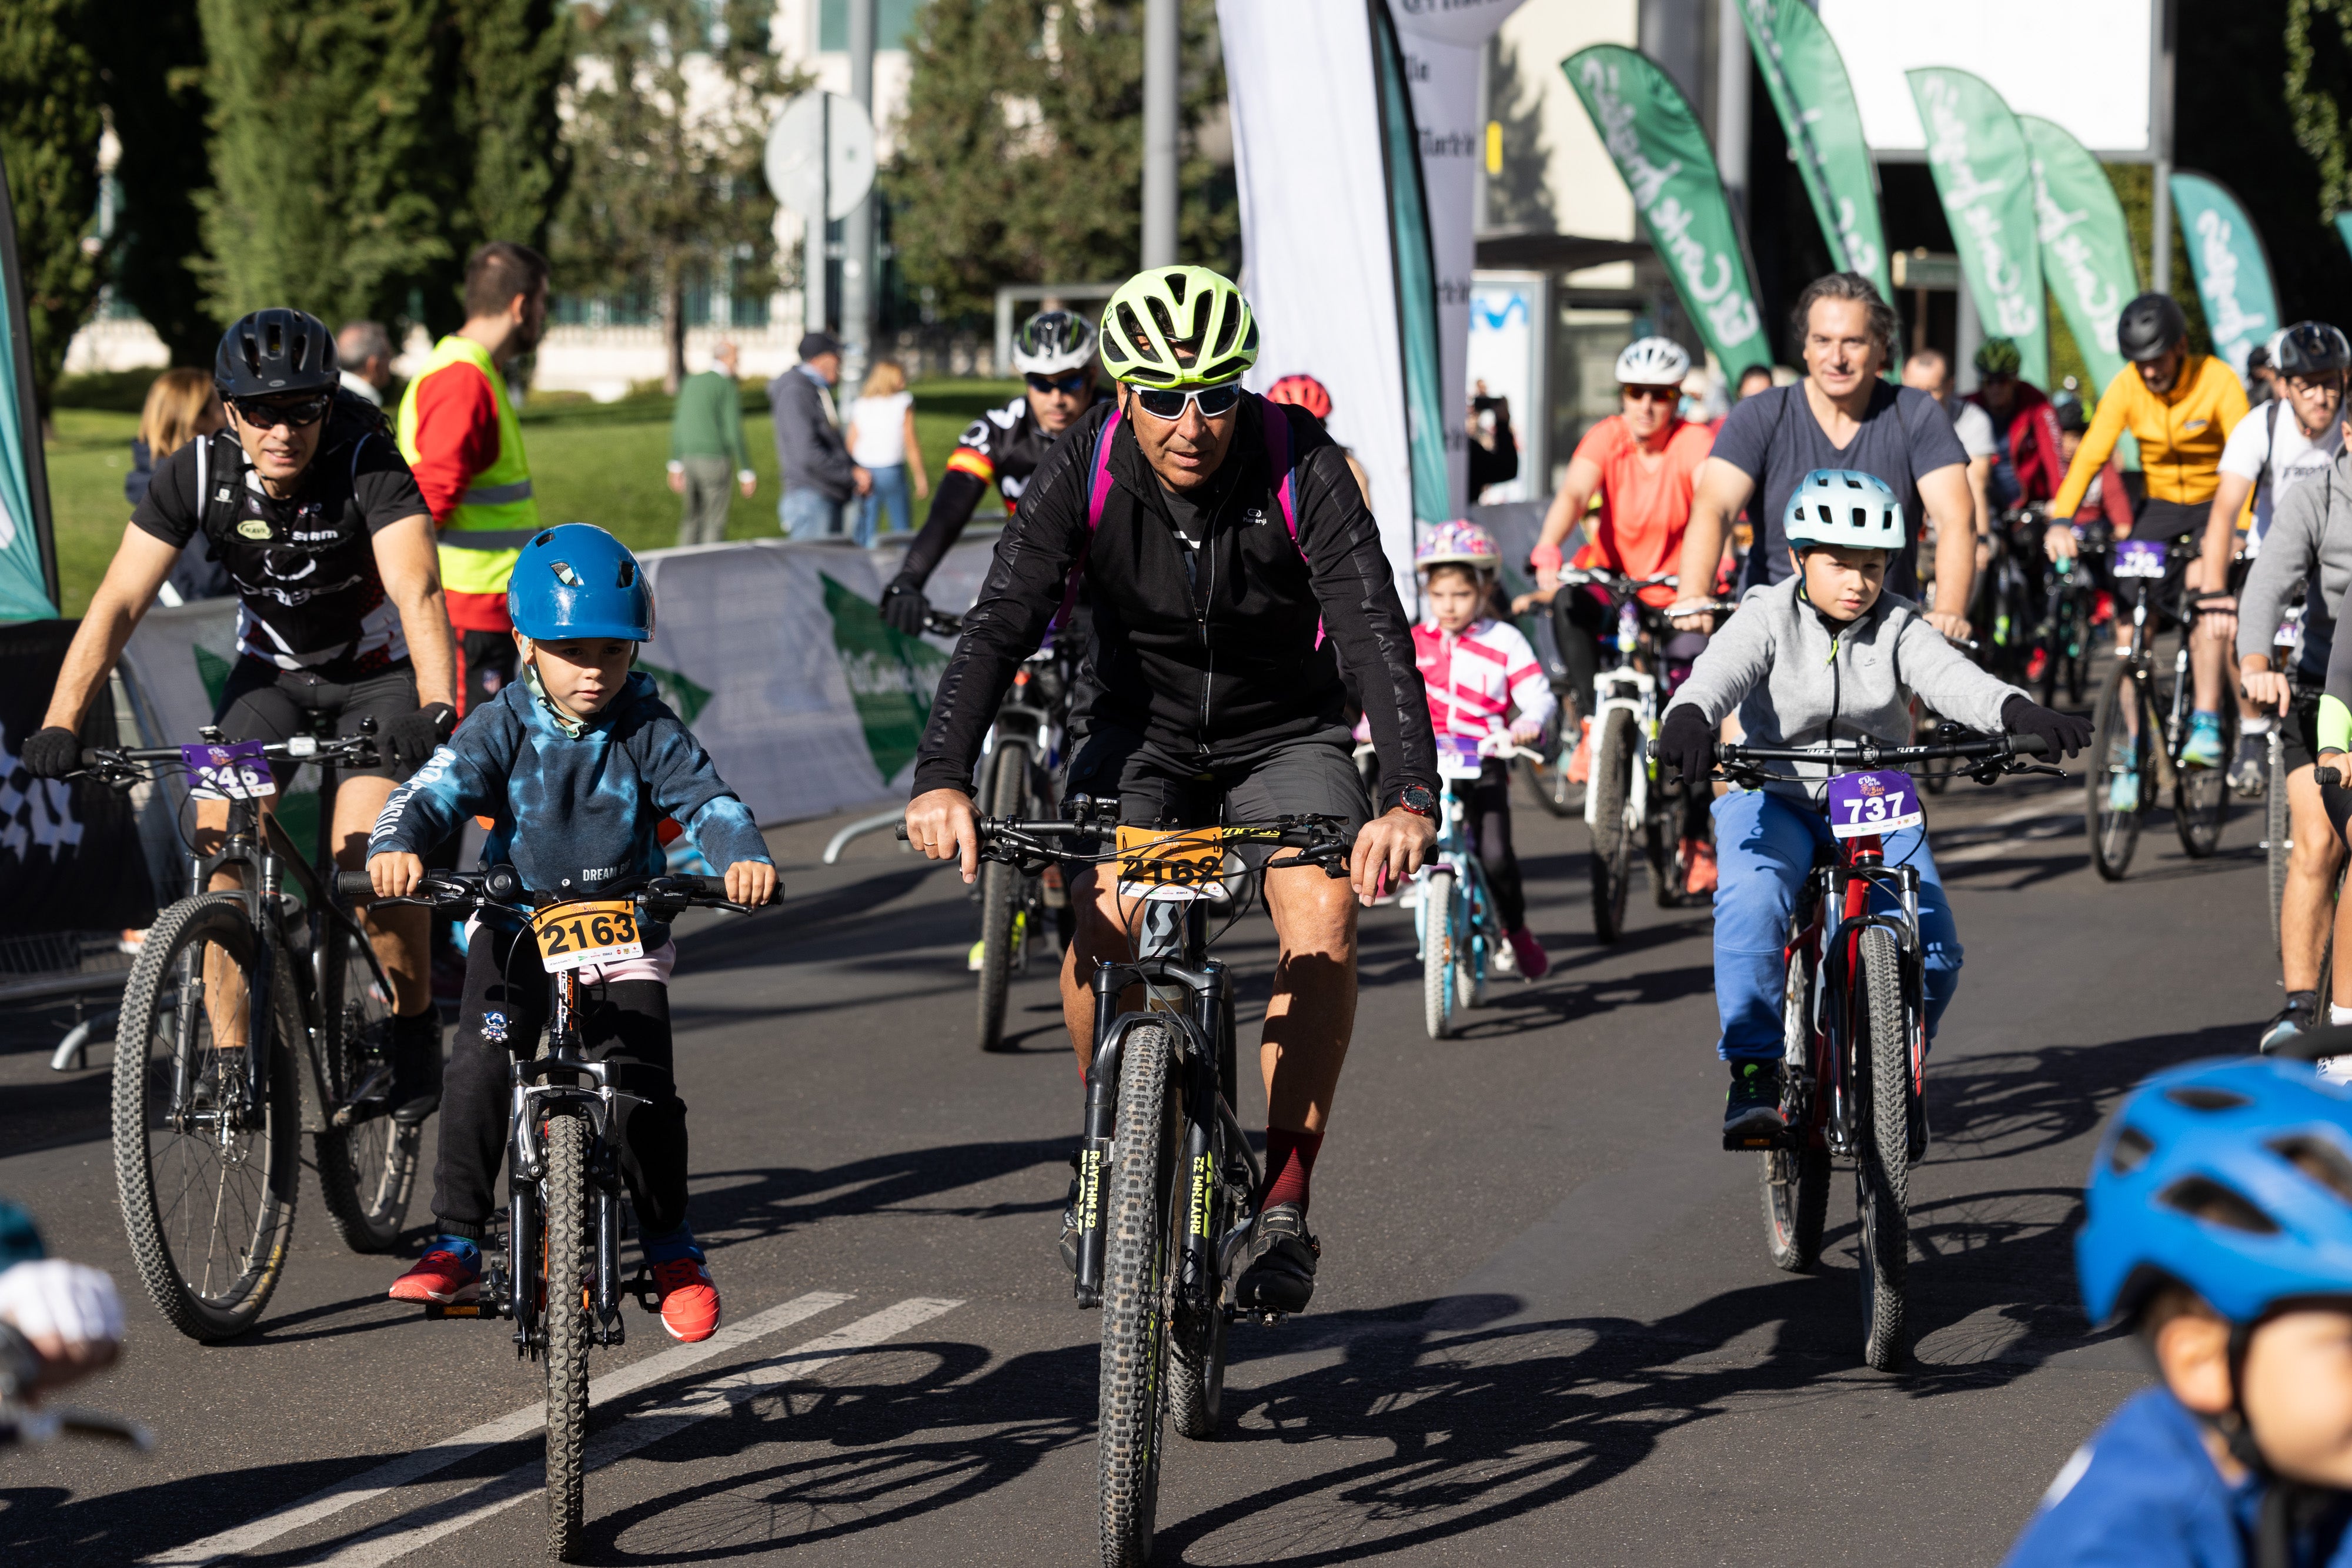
262 701
2300 732
1313 775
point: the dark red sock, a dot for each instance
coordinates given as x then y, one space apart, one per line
1289 1163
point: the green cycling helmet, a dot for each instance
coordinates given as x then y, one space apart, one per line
1178 326
1998 357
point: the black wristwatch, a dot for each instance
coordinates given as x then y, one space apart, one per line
1418 799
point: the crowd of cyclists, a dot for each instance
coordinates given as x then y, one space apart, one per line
1207 560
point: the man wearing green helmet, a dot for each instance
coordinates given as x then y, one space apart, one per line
1231 565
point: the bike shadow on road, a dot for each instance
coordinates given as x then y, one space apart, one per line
1998 1104
732 1206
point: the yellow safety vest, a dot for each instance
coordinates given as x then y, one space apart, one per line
484 536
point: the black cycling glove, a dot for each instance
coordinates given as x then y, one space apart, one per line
1686 741
2063 732
904 607
51 753
413 737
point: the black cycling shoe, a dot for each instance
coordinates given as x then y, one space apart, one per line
1280 1277
2301 1015
1751 1115
415 1066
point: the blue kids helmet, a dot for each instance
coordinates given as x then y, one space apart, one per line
1843 507
577 580
2232 1177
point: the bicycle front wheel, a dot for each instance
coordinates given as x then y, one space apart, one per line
1796 1181
2116 783
1613 761
1143 1221
568 1241
2278 836
2201 795
206 1162
1000 896
1548 779
1882 1171
367 1167
1437 943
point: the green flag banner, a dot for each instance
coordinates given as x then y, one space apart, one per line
2087 252
2233 276
28 571
2344 229
1657 145
1425 401
1806 76
1984 176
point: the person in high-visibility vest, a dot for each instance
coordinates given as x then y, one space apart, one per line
459 432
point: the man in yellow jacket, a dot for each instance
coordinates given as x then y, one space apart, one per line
459 432
2181 406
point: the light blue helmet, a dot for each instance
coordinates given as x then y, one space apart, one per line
1843 507
2231 1176
577 580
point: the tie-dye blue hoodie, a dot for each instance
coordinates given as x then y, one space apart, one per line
573 803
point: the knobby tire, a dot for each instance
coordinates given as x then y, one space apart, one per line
1142 1219
1883 1172
999 894
1437 940
367 1171
209 1220
2201 796
2278 835
2113 835
1613 761
569 1242
1796 1181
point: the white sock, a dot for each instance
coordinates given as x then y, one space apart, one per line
2251 728
2338 1016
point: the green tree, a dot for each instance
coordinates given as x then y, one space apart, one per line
512 66
335 157
151 68
50 121
991 185
669 123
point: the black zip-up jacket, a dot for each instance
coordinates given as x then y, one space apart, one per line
1213 663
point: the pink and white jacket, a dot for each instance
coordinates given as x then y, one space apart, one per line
1477 678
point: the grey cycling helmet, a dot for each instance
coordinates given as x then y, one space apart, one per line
1846 508
2150 327
279 350
1053 341
2310 348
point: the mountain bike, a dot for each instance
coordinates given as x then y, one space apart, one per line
2142 722
1454 925
1854 1016
1166 1181
1629 800
2007 599
2062 637
1016 781
559 1278
211 1094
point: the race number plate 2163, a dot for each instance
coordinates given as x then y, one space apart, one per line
593 931
1172 867
1863 804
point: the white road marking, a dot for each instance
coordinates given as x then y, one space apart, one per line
413 1467
397 1537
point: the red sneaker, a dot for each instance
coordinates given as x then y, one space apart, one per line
1534 962
1698 856
690 1302
1580 762
2035 664
440 1276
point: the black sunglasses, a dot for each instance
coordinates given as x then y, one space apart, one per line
261 415
1072 385
1166 403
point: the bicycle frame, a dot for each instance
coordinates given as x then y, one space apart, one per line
1819 1100
1454 854
1610 693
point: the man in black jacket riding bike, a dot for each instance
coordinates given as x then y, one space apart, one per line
1230 564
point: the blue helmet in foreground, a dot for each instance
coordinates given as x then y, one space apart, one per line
577 580
2232 1177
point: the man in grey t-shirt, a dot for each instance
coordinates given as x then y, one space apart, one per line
1841 415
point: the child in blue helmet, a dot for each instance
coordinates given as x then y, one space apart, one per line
576 765
2220 1226
1825 655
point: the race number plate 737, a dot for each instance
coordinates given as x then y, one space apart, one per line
1862 804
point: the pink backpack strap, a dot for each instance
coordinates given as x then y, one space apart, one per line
1098 496
1280 458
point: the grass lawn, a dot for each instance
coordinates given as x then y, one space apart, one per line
601 464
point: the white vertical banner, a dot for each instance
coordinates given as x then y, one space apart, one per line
1318 262
1444 44
1505 356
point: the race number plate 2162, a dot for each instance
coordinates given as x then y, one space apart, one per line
1863 804
593 931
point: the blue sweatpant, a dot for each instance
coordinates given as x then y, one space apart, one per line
1764 846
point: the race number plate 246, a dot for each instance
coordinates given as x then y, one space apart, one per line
1862 804
595 931
233 772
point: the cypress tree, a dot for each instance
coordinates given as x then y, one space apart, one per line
49 127
513 63
150 54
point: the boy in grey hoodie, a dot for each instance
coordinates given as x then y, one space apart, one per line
1824 656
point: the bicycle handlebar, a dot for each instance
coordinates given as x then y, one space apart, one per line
1870 754
500 887
120 763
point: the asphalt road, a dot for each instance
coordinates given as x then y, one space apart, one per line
1547 1328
